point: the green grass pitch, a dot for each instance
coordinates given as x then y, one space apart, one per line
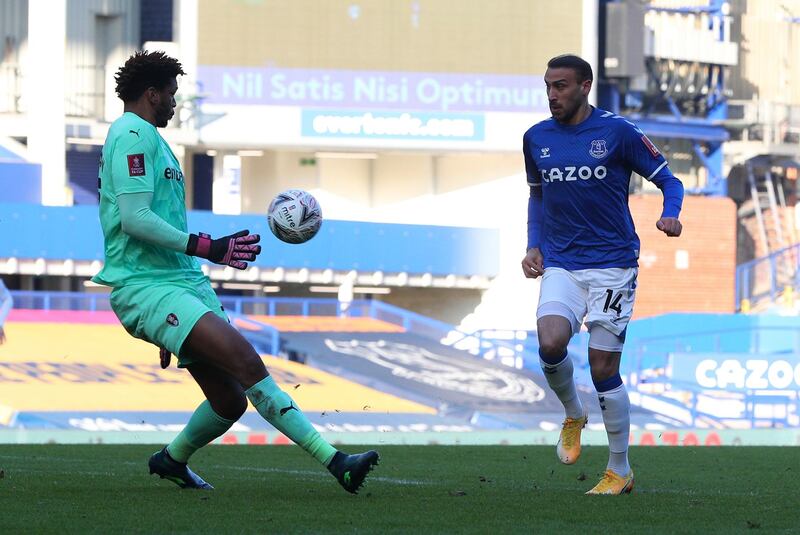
416 489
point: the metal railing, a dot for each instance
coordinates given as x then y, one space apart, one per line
60 300
772 277
646 365
246 307
445 333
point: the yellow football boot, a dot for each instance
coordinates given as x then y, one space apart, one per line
613 483
568 448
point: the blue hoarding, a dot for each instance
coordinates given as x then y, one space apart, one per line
58 233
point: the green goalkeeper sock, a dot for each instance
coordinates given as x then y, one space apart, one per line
204 426
276 407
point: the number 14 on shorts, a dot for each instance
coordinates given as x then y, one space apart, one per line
613 297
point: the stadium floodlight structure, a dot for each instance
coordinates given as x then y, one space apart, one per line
670 76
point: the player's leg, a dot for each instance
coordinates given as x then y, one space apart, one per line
215 342
187 319
164 314
554 332
616 408
212 341
561 302
224 404
610 309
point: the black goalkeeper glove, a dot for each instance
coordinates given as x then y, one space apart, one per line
228 251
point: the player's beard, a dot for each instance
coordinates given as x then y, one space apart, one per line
163 117
568 114
568 111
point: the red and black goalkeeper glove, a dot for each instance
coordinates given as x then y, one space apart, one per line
231 250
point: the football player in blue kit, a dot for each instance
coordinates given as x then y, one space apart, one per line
582 242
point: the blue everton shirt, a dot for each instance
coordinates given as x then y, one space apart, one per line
582 173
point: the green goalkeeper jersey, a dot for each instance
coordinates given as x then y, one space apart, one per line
136 159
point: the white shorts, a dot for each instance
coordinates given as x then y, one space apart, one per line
603 296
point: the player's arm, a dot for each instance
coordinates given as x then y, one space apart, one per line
532 264
133 164
644 158
672 190
139 221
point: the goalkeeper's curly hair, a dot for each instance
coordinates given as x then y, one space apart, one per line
145 69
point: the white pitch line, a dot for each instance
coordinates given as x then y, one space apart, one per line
65 472
317 474
303 473
60 459
309 474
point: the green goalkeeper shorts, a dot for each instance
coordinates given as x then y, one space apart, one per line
165 313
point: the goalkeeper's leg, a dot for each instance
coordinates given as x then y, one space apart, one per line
216 343
225 403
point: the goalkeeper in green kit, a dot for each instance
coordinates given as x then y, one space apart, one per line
161 296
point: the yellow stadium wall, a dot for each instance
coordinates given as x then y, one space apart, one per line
401 35
99 367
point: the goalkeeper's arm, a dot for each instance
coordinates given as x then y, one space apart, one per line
140 222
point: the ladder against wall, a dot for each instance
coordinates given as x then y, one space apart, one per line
765 188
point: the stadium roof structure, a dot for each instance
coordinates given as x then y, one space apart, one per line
686 128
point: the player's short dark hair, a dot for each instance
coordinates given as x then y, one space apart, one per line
145 69
576 63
